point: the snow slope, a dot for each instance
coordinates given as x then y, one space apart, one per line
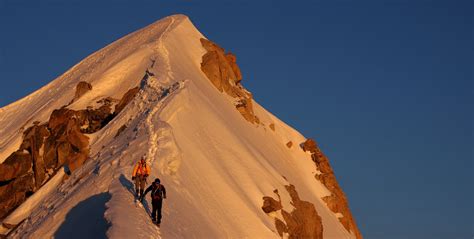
215 165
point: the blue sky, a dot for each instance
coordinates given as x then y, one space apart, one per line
385 87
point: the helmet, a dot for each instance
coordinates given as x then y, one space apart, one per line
157 180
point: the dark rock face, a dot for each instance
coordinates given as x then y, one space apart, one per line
337 201
17 164
15 192
33 140
270 204
302 222
289 144
47 147
224 73
68 128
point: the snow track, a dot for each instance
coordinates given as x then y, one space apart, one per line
121 188
156 89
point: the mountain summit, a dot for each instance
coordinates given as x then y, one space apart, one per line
165 92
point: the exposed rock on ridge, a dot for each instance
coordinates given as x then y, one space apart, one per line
270 204
302 222
337 201
125 99
17 164
224 73
47 147
81 88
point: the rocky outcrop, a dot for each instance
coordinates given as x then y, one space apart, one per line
337 201
81 88
126 99
245 107
272 126
17 164
289 144
15 192
270 204
68 128
302 222
232 60
47 147
33 141
224 73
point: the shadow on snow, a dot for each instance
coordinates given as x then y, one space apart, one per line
86 219
127 184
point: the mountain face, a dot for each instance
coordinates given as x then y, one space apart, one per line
230 167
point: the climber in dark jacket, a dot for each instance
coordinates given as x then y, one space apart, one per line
158 193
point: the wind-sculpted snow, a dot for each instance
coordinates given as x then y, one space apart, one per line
215 165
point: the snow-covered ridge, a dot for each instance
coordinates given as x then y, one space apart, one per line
112 71
216 165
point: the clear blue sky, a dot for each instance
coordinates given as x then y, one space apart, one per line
385 87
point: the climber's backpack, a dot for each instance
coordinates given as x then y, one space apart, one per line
157 194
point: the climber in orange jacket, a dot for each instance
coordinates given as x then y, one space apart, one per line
140 173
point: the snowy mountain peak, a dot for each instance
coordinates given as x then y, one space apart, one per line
166 93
